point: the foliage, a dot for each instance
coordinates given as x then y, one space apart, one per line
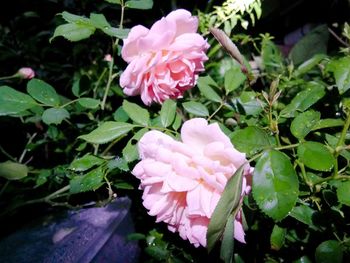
290 115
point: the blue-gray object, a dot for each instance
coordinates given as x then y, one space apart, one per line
89 235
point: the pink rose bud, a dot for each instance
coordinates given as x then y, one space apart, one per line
182 181
26 73
108 58
164 61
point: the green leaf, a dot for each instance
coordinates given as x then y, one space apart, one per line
43 92
277 237
107 131
167 113
329 251
303 259
54 115
71 18
315 42
85 163
89 103
113 1
139 4
309 64
327 123
250 103
13 101
228 205
275 184
119 163
271 56
177 123
233 78
343 193
87 182
316 156
116 32
196 108
341 71
227 244
136 113
13 171
99 21
250 140
204 84
120 115
130 152
304 123
303 100
303 214
73 32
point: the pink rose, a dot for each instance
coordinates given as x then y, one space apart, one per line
26 73
164 61
183 181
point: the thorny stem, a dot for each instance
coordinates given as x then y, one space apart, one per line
338 38
111 145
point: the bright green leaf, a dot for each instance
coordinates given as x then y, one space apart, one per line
275 184
196 108
107 131
54 115
89 103
204 84
271 56
303 100
250 103
73 32
328 123
341 71
113 1
167 113
277 237
136 113
233 78
343 193
43 92
120 115
329 251
85 163
250 140
13 171
119 163
88 182
139 4
116 32
71 18
304 123
13 101
227 205
309 64
99 21
316 156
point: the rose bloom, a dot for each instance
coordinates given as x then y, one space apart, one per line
164 61
26 73
182 182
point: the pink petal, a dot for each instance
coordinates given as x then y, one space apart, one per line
185 22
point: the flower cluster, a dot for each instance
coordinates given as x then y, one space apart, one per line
164 61
182 182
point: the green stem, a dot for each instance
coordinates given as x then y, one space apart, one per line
4 187
158 128
339 177
216 111
9 77
99 81
49 197
111 145
343 133
20 160
303 172
7 154
287 146
68 103
109 82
